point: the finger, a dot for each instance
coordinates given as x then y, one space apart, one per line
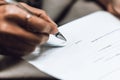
41 14
13 29
16 43
16 50
38 12
4 50
33 23
13 45
114 10
116 6
23 35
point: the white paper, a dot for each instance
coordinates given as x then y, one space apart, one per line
92 51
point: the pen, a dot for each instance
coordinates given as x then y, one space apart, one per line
58 34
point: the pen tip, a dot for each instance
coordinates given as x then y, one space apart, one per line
60 36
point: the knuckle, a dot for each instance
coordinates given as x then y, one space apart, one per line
9 9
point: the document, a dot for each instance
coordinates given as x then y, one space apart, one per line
92 50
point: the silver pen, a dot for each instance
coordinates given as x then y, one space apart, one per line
58 34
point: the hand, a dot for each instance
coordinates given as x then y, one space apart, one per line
21 32
113 6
